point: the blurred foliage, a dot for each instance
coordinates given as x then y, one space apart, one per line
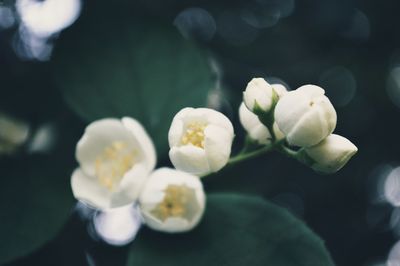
36 198
131 66
236 230
92 64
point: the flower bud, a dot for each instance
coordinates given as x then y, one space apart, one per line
200 140
115 156
278 133
259 94
172 201
305 116
257 131
331 154
279 89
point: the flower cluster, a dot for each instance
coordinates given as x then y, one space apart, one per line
117 157
117 160
304 117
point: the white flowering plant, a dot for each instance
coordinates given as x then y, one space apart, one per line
134 132
117 157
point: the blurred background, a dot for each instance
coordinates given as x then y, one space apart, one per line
64 63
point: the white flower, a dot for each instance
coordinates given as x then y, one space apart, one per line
115 157
305 116
278 133
250 122
172 201
331 154
279 89
257 130
200 140
258 93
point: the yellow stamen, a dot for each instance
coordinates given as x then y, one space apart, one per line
194 134
113 163
179 201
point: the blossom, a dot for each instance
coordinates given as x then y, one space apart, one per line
200 140
115 157
331 154
172 201
305 116
257 130
280 89
259 94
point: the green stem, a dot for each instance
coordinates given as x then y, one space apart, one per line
243 156
246 156
246 146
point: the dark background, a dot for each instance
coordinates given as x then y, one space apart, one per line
350 48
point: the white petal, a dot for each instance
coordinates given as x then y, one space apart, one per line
256 130
311 90
189 159
87 189
184 113
211 117
289 110
278 133
98 135
279 89
260 91
154 193
331 154
261 134
247 118
315 125
217 144
130 186
143 140
305 116
175 132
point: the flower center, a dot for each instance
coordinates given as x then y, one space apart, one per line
113 163
179 201
194 134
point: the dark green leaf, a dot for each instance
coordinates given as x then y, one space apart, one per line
35 194
236 230
132 67
35 201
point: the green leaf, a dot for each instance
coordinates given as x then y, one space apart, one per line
130 66
236 230
35 202
35 192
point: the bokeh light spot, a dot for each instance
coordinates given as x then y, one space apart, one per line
118 226
339 84
392 187
44 18
7 18
196 23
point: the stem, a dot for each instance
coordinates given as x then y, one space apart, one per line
246 156
243 156
247 144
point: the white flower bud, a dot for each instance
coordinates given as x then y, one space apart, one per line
279 89
250 122
278 133
200 140
115 157
305 116
172 201
260 94
331 154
